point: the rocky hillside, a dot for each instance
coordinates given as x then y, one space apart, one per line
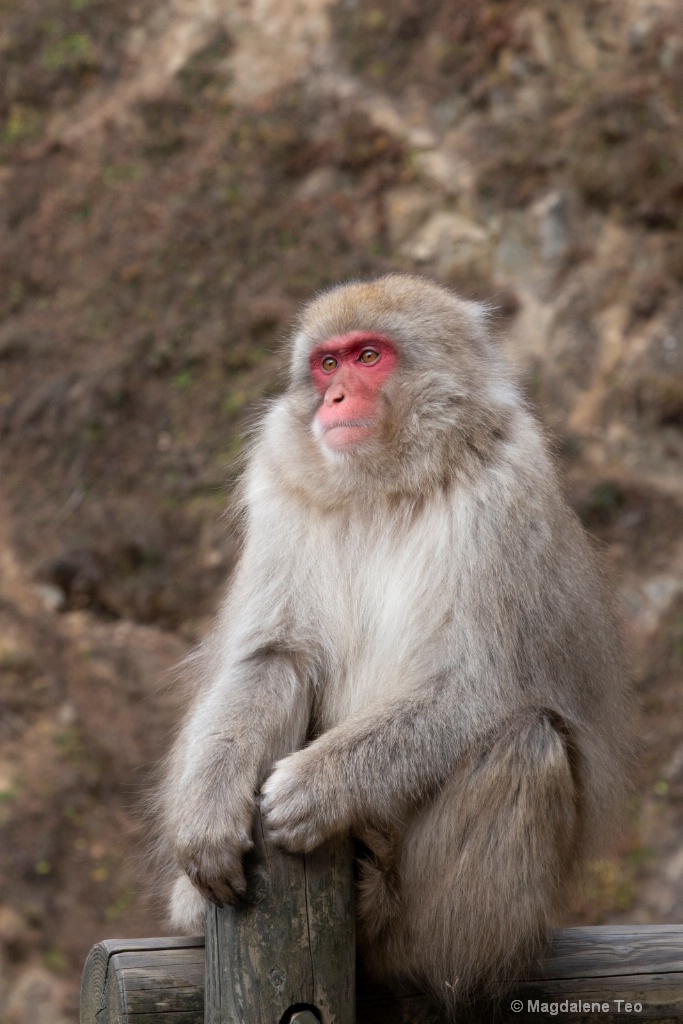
175 179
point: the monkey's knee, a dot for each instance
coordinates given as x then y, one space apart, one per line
522 801
482 870
546 795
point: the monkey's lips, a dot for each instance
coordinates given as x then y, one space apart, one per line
343 434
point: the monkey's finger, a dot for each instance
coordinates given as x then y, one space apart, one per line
294 839
205 888
279 831
238 882
219 891
209 893
278 809
222 885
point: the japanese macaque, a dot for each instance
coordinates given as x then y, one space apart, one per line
416 647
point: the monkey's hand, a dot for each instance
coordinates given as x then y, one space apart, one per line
211 845
299 809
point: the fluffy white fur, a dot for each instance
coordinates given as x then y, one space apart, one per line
428 613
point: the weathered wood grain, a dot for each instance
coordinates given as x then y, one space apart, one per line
290 943
160 981
610 968
614 949
153 979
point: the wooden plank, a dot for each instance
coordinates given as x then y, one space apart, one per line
409 1009
290 943
613 950
156 1018
159 981
117 971
649 996
628 972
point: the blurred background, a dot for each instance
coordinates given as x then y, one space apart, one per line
175 180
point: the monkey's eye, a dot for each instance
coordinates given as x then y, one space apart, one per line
329 364
368 356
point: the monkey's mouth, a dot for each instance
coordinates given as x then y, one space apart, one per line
341 434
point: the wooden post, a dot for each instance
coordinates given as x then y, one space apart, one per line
286 954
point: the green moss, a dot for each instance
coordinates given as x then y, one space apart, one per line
120 905
609 884
604 502
112 173
606 497
74 52
235 447
23 123
234 403
71 745
55 960
183 380
73 814
93 433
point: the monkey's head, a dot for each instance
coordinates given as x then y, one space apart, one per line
394 383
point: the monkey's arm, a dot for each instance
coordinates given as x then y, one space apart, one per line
255 710
372 768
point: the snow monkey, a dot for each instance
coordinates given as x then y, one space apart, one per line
416 647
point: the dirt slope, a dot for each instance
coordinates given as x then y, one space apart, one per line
174 181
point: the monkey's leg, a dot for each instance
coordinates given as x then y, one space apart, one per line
481 869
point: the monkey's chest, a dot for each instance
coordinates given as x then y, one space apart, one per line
381 624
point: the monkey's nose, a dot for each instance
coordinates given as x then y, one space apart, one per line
335 395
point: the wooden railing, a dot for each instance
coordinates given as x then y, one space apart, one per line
287 956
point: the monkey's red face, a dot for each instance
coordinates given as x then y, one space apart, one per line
349 372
